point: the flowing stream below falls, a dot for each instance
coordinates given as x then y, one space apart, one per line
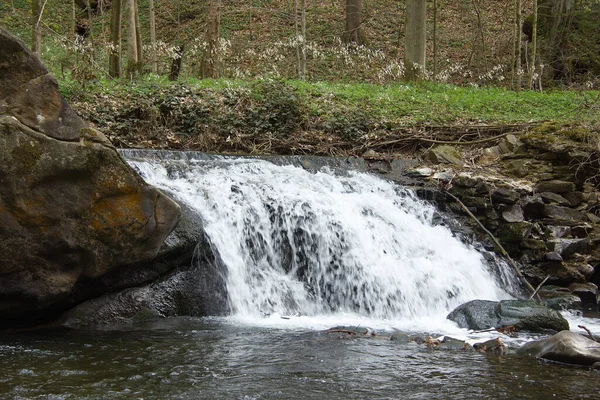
303 251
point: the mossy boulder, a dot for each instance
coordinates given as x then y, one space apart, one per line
71 209
524 315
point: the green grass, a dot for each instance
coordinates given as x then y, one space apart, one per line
399 104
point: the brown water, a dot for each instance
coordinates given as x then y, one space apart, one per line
220 359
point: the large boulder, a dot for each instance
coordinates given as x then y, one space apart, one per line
524 315
193 283
565 347
71 210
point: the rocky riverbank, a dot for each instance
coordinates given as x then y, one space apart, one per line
536 193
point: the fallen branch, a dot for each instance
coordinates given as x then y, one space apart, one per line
497 243
340 331
466 143
590 334
537 289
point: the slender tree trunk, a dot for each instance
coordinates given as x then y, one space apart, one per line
90 32
519 46
297 33
415 39
115 40
303 66
211 60
533 44
138 39
36 17
74 20
152 36
176 63
435 44
353 33
132 60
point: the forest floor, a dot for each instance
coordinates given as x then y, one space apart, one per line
294 117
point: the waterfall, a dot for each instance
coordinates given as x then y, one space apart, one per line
320 243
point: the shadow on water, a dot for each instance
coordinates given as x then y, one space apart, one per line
220 359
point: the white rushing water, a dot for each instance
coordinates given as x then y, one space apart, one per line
327 248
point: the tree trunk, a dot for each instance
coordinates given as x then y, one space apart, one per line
556 17
152 36
297 32
414 39
533 44
303 59
353 33
519 46
132 54
36 16
435 46
210 61
138 39
115 40
176 63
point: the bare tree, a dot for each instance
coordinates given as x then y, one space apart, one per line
138 38
211 59
518 39
37 8
414 40
132 53
152 36
435 42
115 40
353 33
533 44
303 58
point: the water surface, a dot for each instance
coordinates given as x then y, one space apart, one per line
224 359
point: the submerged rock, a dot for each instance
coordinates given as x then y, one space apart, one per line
565 347
72 210
524 315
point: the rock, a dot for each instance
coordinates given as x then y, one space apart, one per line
524 315
443 176
563 214
195 288
489 155
465 180
419 173
558 231
553 256
574 198
450 343
566 247
504 196
587 292
533 207
527 315
565 347
551 198
352 330
401 338
555 186
491 347
514 232
513 214
72 211
511 144
444 155
475 315
559 298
